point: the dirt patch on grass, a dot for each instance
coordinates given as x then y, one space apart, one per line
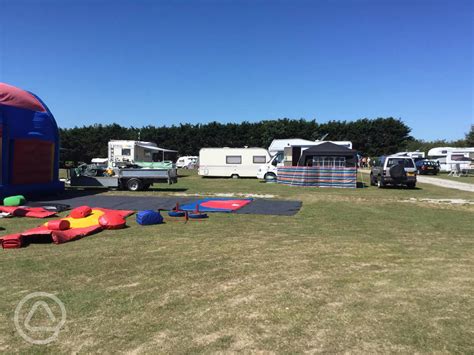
443 201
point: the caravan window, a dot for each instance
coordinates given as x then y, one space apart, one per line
259 159
126 151
233 159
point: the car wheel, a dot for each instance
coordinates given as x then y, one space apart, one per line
380 182
270 176
134 185
373 181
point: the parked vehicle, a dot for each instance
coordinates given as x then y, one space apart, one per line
231 162
125 152
460 160
396 170
133 178
425 167
187 162
132 165
269 170
440 154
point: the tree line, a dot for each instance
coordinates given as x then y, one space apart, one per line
371 137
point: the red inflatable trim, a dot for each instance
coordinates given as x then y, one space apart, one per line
80 212
35 212
58 225
16 97
12 241
112 220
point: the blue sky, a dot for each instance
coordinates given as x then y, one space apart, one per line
170 62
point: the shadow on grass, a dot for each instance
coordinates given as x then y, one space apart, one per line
164 189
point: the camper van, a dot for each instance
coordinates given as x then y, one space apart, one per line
187 162
460 159
444 156
231 162
269 171
125 152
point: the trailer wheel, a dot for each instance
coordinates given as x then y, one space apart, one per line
134 185
234 176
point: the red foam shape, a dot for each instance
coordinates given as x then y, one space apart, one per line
112 220
35 212
58 236
80 212
12 241
232 205
58 224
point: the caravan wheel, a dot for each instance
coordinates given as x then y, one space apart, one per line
234 176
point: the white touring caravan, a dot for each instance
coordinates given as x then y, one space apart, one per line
130 152
232 162
268 171
187 162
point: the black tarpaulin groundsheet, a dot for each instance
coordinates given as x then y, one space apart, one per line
76 199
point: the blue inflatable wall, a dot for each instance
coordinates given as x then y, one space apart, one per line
29 145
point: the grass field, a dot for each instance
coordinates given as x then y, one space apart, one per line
366 270
467 179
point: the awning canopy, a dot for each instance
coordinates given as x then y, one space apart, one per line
328 149
157 149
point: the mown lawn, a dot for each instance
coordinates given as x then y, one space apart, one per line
365 270
467 179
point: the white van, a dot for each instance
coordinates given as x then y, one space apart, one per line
231 162
269 171
186 162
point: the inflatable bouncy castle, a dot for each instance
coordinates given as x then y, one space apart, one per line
29 144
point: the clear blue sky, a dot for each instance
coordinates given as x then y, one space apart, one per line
170 62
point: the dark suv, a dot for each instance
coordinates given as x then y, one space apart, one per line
394 170
427 167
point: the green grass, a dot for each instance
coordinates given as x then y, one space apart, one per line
354 271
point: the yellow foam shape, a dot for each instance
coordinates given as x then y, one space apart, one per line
89 221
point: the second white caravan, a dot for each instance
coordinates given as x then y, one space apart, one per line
232 162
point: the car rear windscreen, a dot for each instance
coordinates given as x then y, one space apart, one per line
408 163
